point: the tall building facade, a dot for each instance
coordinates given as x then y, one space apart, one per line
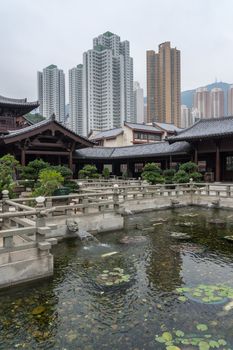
107 83
201 102
164 85
187 118
217 103
77 122
51 92
209 104
230 101
138 103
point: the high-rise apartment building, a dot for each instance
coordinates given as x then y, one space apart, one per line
230 101
51 92
187 118
77 122
163 85
217 103
138 103
107 83
201 102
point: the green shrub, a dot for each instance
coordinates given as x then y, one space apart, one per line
63 170
49 181
8 169
181 177
152 174
32 170
186 172
106 173
88 171
188 167
168 175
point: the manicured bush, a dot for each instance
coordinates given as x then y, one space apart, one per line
152 174
49 181
88 171
106 173
186 172
168 175
8 169
63 170
32 170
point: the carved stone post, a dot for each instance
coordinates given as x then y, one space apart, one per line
115 197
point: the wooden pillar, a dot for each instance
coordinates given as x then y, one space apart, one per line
170 161
217 163
71 160
23 156
195 155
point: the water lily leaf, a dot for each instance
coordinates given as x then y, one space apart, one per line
222 342
38 310
214 344
167 336
172 347
203 345
179 333
202 327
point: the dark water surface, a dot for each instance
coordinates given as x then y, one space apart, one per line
171 294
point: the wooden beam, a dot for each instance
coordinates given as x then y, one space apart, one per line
53 153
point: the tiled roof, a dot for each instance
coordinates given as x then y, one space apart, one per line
151 149
38 125
112 133
142 127
206 128
17 102
168 127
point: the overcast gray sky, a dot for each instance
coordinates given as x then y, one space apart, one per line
36 33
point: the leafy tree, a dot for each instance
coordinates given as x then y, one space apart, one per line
152 174
88 171
63 170
8 169
49 181
168 175
32 170
106 173
186 172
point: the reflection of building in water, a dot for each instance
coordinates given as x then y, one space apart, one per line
164 268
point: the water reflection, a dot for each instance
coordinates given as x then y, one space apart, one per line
74 310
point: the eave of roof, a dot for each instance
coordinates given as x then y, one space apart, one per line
199 130
156 149
40 127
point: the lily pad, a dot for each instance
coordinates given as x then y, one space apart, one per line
38 310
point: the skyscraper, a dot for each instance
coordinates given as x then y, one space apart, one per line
186 117
107 83
230 101
163 85
217 103
77 122
201 102
51 92
138 103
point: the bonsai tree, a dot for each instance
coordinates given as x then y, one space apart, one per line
106 173
32 170
88 171
168 175
49 181
8 168
152 174
64 171
186 172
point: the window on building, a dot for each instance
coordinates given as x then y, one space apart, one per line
201 166
229 163
108 166
123 168
138 167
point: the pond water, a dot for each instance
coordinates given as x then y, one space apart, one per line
160 291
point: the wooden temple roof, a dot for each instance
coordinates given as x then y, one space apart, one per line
155 149
205 129
43 126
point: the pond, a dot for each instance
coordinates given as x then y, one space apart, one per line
167 284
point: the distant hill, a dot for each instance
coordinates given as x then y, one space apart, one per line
187 96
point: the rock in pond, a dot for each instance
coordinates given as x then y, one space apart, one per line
229 238
217 222
180 235
133 239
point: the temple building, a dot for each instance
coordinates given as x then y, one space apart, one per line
47 139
